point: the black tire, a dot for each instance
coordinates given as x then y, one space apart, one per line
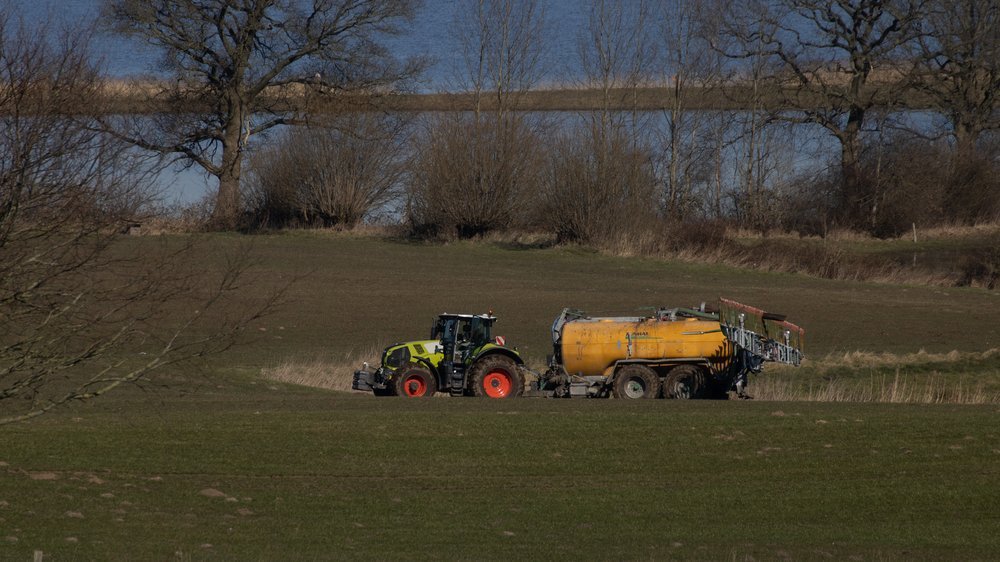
496 376
636 381
414 381
685 382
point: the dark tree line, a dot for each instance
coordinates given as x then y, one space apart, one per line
857 70
848 71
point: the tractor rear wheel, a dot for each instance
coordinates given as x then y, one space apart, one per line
684 382
636 381
496 376
414 381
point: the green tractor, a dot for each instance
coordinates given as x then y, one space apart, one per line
461 358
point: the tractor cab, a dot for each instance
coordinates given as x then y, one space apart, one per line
467 332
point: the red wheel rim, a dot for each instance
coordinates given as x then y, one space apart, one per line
498 384
414 385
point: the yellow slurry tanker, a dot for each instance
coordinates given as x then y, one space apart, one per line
674 353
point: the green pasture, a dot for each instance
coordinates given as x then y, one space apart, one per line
218 463
252 473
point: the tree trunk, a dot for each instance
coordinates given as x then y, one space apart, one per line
226 214
851 178
850 167
673 193
966 136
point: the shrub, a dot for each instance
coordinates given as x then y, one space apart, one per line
472 175
972 193
599 185
982 268
336 175
908 180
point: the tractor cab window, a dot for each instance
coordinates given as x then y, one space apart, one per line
480 331
464 332
447 329
438 329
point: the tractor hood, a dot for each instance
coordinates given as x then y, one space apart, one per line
399 354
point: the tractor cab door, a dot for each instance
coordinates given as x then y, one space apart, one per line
451 330
468 337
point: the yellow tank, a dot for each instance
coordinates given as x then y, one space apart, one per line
591 346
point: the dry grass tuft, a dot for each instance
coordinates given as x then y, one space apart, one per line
847 235
935 389
331 373
521 239
711 242
958 231
866 359
901 386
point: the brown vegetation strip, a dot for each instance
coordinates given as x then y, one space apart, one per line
147 97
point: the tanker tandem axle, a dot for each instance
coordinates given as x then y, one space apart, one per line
682 353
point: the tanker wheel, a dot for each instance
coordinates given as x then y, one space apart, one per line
496 376
636 381
414 381
684 383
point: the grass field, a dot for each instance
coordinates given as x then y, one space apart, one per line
307 476
249 473
359 291
222 463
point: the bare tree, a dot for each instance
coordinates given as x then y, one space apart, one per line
960 66
827 53
82 312
693 140
600 183
616 54
254 64
600 186
501 51
336 174
755 137
478 172
469 177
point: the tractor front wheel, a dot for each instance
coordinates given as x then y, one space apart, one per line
414 381
496 376
636 381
